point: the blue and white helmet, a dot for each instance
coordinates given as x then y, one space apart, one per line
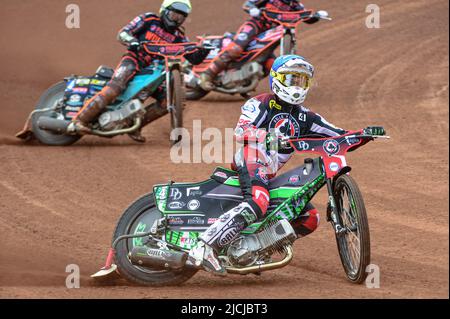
290 78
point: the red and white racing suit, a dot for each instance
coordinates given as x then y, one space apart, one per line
256 164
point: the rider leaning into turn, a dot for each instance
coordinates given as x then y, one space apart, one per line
247 32
266 119
165 28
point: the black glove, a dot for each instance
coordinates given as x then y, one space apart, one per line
375 130
134 46
274 142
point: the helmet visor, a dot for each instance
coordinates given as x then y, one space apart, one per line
176 17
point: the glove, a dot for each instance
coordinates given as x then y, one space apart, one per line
134 46
321 14
374 130
254 12
274 142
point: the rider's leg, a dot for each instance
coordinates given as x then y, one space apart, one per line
253 177
124 72
154 112
233 51
307 222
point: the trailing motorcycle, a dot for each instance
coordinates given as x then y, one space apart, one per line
50 121
243 75
153 237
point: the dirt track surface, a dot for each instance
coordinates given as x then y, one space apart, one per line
59 206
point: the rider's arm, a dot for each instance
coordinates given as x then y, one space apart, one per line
318 125
195 57
253 114
128 33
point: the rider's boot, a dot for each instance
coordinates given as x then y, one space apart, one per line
93 107
220 63
154 112
219 235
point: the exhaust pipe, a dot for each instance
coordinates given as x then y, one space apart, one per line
157 258
54 125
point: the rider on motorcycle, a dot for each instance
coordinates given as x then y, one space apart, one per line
267 119
165 28
247 32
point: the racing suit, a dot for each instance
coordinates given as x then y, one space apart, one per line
256 164
145 27
246 33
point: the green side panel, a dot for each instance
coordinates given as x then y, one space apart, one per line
232 182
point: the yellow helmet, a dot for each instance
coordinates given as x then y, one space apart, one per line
183 6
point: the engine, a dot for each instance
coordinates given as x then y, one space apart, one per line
246 250
114 120
233 78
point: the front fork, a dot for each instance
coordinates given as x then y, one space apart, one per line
170 106
332 211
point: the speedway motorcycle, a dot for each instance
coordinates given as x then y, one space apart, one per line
244 74
50 121
153 237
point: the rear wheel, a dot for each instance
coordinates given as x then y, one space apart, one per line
139 218
51 99
354 244
177 97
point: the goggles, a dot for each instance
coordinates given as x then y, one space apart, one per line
301 80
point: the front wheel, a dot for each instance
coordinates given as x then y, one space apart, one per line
139 218
354 243
288 44
177 99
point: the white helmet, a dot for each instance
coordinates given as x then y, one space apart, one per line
290 78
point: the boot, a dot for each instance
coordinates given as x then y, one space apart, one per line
219 235
93 107
220 63
154 112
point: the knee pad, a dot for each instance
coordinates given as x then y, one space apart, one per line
259 200
306 223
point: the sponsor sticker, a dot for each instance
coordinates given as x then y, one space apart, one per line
274 104
193 204
331 147
75 98
294 179
196 220
334 167
176 205
212 220
98 82
83 82
175 221
80 90
303 146
193 191
227 236
175 193
220 174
